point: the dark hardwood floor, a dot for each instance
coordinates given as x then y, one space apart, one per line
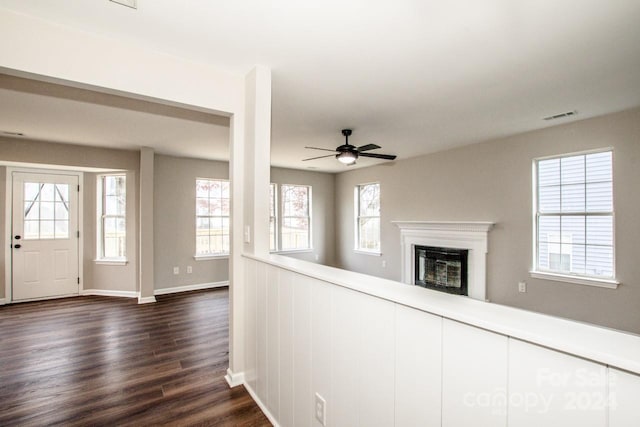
109 361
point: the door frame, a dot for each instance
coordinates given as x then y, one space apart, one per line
8 226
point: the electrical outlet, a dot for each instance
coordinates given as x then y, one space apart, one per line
321 409
522 286
189 269
176 270
384 264
317 257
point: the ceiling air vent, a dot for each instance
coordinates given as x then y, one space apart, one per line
561 115
129 3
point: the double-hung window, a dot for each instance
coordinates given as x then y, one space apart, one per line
367 200
112 223
295 227
212 217
574 216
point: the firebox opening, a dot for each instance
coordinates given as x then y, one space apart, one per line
442 269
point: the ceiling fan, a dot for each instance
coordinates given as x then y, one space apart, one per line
348 154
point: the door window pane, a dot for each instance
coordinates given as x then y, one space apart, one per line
46 209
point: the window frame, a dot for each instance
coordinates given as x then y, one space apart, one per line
211 255
556 275
101 216
273 200
357 217
281 217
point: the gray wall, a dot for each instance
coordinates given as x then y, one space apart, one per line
174 222
47 154
322 215
491 181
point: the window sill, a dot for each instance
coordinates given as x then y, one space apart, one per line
370 253
588 281
110 261
292 251
210 257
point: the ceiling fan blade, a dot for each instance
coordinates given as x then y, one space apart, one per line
319 157
317 148
378 156
368 147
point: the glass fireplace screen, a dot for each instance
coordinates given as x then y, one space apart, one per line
443 269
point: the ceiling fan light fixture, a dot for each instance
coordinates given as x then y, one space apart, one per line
347 157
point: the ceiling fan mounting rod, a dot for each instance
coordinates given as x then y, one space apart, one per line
346 133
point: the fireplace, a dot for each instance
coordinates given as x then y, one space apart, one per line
442 269
471 236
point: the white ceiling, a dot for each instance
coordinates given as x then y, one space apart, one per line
414 76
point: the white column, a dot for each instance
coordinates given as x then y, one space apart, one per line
249 174
146 226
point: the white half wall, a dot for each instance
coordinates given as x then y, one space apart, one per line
385 354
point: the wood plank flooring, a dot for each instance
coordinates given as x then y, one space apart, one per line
109 361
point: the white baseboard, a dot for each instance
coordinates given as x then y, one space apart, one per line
234 380
3 301
262 406
108 293
185 288
146 300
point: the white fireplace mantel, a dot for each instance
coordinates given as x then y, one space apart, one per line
470 235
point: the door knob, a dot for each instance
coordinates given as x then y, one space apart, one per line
17 237
17 246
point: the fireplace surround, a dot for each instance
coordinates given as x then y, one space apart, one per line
468 235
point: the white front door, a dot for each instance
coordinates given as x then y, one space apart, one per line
45 235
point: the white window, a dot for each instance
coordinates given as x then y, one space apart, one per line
212 217
574 215
367 199
273 218
112 222
295 227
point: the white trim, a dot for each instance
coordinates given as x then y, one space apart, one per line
371 253
293 251
234 380
54 170
195 287
110 262
3 301
470 235
474 226
261 405
8 264
580 280
210 257
146 300
109 293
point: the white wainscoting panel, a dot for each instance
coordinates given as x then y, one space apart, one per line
474 372
345 357
286 349
554 389
624 389
302 357
377 362
418 368
262 338
273 340
321 345
376 366
250 323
